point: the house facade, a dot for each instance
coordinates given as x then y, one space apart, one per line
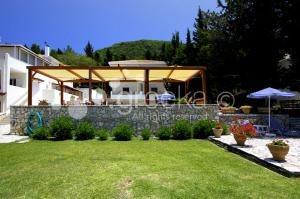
14 77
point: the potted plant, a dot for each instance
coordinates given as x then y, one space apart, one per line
241 130
279 149
246 109
43 102
218 130
228 109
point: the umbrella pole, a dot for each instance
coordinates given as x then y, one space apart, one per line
269 113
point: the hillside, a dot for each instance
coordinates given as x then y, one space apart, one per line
133 49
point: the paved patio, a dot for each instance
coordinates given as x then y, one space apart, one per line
256 150
5 137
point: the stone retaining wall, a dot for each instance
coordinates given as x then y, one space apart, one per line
109 116
260 119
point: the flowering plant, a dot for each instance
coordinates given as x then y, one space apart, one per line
278 142
219 126
242 128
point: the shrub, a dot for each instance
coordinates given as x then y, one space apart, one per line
225 129
203 128
102 134
146 133
122 132
84 131
61 128
181 130
164 133
41 133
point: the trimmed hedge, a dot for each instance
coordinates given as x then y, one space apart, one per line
84 131
41 133
164 133
203 128
122 132
61 128
102 134
146 133
181 130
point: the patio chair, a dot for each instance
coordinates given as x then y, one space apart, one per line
278 128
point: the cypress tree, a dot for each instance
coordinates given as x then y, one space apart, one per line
89 51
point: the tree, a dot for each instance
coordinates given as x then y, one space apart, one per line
108 57
189 50
36 48
97 57
89 51
148 55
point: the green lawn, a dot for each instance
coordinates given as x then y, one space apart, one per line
135 169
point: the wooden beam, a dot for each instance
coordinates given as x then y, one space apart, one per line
98 75
167 80
171 72
117 68
76 74
45 74
146 86
203 77
29 97
61 93
90 85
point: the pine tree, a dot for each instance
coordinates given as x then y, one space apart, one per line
59 52
189 50
97 57
148 55
36 48
89 51
108 57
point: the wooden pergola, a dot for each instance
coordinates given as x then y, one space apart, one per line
106 74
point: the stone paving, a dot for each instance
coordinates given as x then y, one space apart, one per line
5 137
258 148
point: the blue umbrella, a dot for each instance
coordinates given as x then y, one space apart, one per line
271 93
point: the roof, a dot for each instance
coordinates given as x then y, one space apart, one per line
138 63
26 49
121 73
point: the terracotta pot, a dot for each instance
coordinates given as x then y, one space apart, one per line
246 110
278 152
240 140
217 132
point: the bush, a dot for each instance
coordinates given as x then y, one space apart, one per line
164 133
41 133
122 132
61 128
203 128
146 133
102 134
84 131
225 129
181 130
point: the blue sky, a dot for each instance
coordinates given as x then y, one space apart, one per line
103 22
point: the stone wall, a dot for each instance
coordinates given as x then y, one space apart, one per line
259 119
109 116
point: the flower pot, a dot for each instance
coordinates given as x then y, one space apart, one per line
278 152
217 132
240 139
246 110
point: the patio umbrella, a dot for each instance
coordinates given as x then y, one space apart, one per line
271 93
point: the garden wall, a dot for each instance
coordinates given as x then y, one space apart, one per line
109 116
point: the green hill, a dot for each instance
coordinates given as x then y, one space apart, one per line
133 49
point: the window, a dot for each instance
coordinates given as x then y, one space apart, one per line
24 56
154 89
40 62
125 89
13 82
31 60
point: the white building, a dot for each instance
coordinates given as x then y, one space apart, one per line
14 79
135 90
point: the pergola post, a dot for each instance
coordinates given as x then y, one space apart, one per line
203 77
186 89
90 85
61 93
29 87
146 86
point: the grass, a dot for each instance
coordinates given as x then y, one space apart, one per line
135 169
